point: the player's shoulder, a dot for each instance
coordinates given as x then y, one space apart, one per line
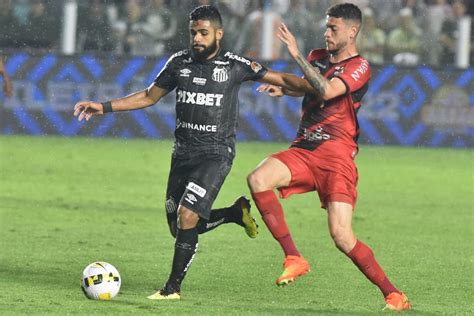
317 54
180 56
242 61
231 56
359 62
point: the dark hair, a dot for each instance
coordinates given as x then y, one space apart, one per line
347 11
206 12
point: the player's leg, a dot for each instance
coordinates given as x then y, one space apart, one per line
177 181
238 213
270 174
204 182
184 250
340 227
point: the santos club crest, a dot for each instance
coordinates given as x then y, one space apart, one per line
220 74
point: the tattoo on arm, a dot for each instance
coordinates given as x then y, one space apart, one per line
317 81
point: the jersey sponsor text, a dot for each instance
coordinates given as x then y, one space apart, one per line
198 98
317 134
360 70
196 127
237 57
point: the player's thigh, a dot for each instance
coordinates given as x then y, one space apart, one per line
205 182
270 173
177 181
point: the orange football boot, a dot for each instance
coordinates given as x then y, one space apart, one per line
294 267
397 302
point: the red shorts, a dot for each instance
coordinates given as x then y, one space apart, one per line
328 170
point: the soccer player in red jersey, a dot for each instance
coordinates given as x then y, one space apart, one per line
322 155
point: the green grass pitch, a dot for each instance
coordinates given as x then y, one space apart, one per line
66 202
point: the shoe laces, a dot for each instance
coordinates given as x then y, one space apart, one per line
290 260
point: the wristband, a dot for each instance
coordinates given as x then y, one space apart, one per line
106 107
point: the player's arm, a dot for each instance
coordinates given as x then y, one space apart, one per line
289 82
326 89
134 101
276 91
7 84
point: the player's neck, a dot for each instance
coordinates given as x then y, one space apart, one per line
213 55
341 55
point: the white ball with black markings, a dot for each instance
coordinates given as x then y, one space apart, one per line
101 281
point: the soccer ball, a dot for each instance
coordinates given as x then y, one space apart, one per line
100 281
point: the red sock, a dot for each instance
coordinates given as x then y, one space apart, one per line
364 259
272 214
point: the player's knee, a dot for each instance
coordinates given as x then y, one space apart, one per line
343 239
187 218
256 181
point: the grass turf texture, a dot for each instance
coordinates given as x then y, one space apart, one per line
65 203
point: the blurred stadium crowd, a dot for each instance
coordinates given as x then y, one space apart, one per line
406 32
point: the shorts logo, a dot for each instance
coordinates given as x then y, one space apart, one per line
190 198
171 206
220 74
196 189
184 72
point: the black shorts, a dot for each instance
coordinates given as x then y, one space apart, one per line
195 183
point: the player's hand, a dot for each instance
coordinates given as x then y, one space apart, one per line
273 91
86 109
287 37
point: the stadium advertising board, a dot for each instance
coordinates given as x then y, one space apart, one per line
419 106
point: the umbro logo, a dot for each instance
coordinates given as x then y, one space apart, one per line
184 72
190 198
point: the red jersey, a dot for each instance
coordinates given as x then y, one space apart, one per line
333 120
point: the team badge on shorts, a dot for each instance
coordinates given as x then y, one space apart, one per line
220 74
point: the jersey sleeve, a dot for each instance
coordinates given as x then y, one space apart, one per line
356 74
252 70
166 79
316 54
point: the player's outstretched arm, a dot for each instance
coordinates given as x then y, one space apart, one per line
276 91
134 101
288 82
7 84
327 89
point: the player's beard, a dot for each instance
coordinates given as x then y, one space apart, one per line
336 48
206 52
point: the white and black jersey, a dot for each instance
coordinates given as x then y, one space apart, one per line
206 99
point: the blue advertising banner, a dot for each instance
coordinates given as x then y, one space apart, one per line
404 106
